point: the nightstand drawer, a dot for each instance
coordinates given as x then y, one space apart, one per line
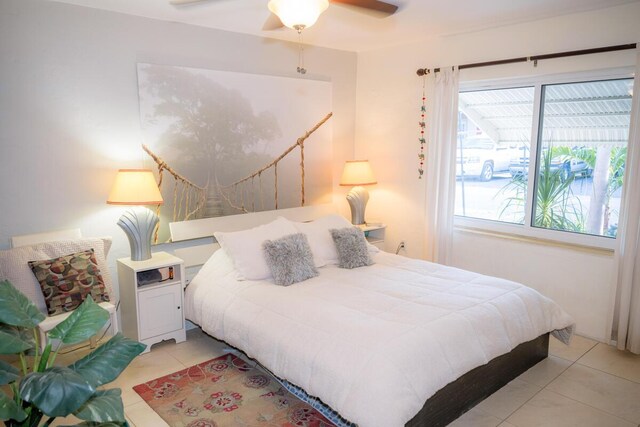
160 311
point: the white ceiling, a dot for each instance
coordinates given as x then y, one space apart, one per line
347 29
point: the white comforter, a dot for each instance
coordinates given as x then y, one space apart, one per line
374 343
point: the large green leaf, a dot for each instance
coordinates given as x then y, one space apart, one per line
57 392
82 324
105 363
44 359
10 344
104 406
23 334
16 309
9 410
8 373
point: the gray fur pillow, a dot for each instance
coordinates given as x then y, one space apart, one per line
290 259
352 247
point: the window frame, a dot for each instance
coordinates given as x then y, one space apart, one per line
527 230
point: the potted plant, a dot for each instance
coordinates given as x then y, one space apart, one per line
41 390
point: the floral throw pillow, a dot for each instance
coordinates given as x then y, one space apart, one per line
66 281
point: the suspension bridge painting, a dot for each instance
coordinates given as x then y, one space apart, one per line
226 143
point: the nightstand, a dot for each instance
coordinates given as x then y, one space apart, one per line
151 294
374 234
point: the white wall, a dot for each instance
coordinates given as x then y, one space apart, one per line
388 102
69 105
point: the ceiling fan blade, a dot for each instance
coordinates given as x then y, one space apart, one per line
181 2
272 23
378 6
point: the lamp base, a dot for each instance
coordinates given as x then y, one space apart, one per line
138 224
357 198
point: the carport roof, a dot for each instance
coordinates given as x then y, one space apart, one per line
575 114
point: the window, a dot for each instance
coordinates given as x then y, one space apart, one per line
494 131
580 132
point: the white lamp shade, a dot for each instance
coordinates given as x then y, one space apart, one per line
135 187
357 172
298 13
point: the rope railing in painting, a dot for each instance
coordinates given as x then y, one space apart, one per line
234 193
188 198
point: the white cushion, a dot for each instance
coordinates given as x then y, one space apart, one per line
320 240
245 247
51 322
14 265
218 265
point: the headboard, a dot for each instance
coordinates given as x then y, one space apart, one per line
201 228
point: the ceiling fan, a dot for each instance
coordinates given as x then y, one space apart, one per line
300 14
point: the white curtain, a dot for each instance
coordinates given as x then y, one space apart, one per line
628 253
441 167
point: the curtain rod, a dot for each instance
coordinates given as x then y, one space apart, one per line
423 71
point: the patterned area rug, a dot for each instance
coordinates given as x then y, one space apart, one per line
226 392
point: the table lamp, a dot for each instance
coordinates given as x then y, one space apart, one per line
357 173
137 187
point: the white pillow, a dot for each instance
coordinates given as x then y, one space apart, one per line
218 265
320 240
245 247
14 265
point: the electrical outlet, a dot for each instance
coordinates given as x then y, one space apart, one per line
400 247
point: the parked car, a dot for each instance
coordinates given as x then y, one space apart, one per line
481 158
570 166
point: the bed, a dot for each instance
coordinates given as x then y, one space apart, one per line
401 342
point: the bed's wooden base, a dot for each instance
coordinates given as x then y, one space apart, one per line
476 385
456 398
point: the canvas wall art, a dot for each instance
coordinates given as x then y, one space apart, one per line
226 143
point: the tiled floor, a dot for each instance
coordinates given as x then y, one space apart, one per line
584 384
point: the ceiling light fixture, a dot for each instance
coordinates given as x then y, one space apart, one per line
298 14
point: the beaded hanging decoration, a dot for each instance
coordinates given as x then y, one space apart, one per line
421 123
